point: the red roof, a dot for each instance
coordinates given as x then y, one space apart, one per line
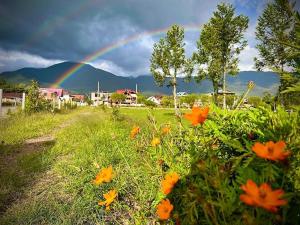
12 95
125 91
58 91
79 97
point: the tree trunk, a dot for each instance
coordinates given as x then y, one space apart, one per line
224 90
175 98
215 97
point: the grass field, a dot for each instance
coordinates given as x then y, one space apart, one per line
48 163
50 182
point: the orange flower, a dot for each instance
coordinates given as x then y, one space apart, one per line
104 175
271 150
262 196
155 142
165 130
197 116
109 198
135 130
164 209
169 182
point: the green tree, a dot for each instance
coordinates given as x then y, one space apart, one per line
255 101
167 101
292 80
141 98
189 99
34 102
267 97
220 43
117 98
168 60
275 32
275 25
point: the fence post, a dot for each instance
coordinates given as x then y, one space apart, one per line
59 103
23 101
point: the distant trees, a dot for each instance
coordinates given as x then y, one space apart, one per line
10 87
220 43
168 60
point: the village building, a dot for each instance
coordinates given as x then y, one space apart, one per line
131 96
12 98
100 98
52 93
156 99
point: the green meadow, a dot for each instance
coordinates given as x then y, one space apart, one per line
49 161
49 182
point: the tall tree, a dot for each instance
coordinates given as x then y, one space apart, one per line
275 25
168 60
275 32
220 43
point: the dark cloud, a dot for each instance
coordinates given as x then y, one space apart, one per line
47 31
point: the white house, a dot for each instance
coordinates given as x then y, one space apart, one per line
155 99
99 98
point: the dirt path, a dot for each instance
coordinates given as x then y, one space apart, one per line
12 170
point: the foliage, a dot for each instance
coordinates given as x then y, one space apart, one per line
220 43
149 103
34 102
222 160
117 98
255 101
290 82
276 24
168 59
141 98
8 87
167 101
267 98
212 161
189 99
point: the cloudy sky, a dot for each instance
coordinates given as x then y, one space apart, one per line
39 33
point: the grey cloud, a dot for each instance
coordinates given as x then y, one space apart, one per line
71 30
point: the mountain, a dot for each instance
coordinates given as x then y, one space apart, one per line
85 80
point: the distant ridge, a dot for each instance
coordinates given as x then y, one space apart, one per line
85 80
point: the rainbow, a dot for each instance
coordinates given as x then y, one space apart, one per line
111 47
